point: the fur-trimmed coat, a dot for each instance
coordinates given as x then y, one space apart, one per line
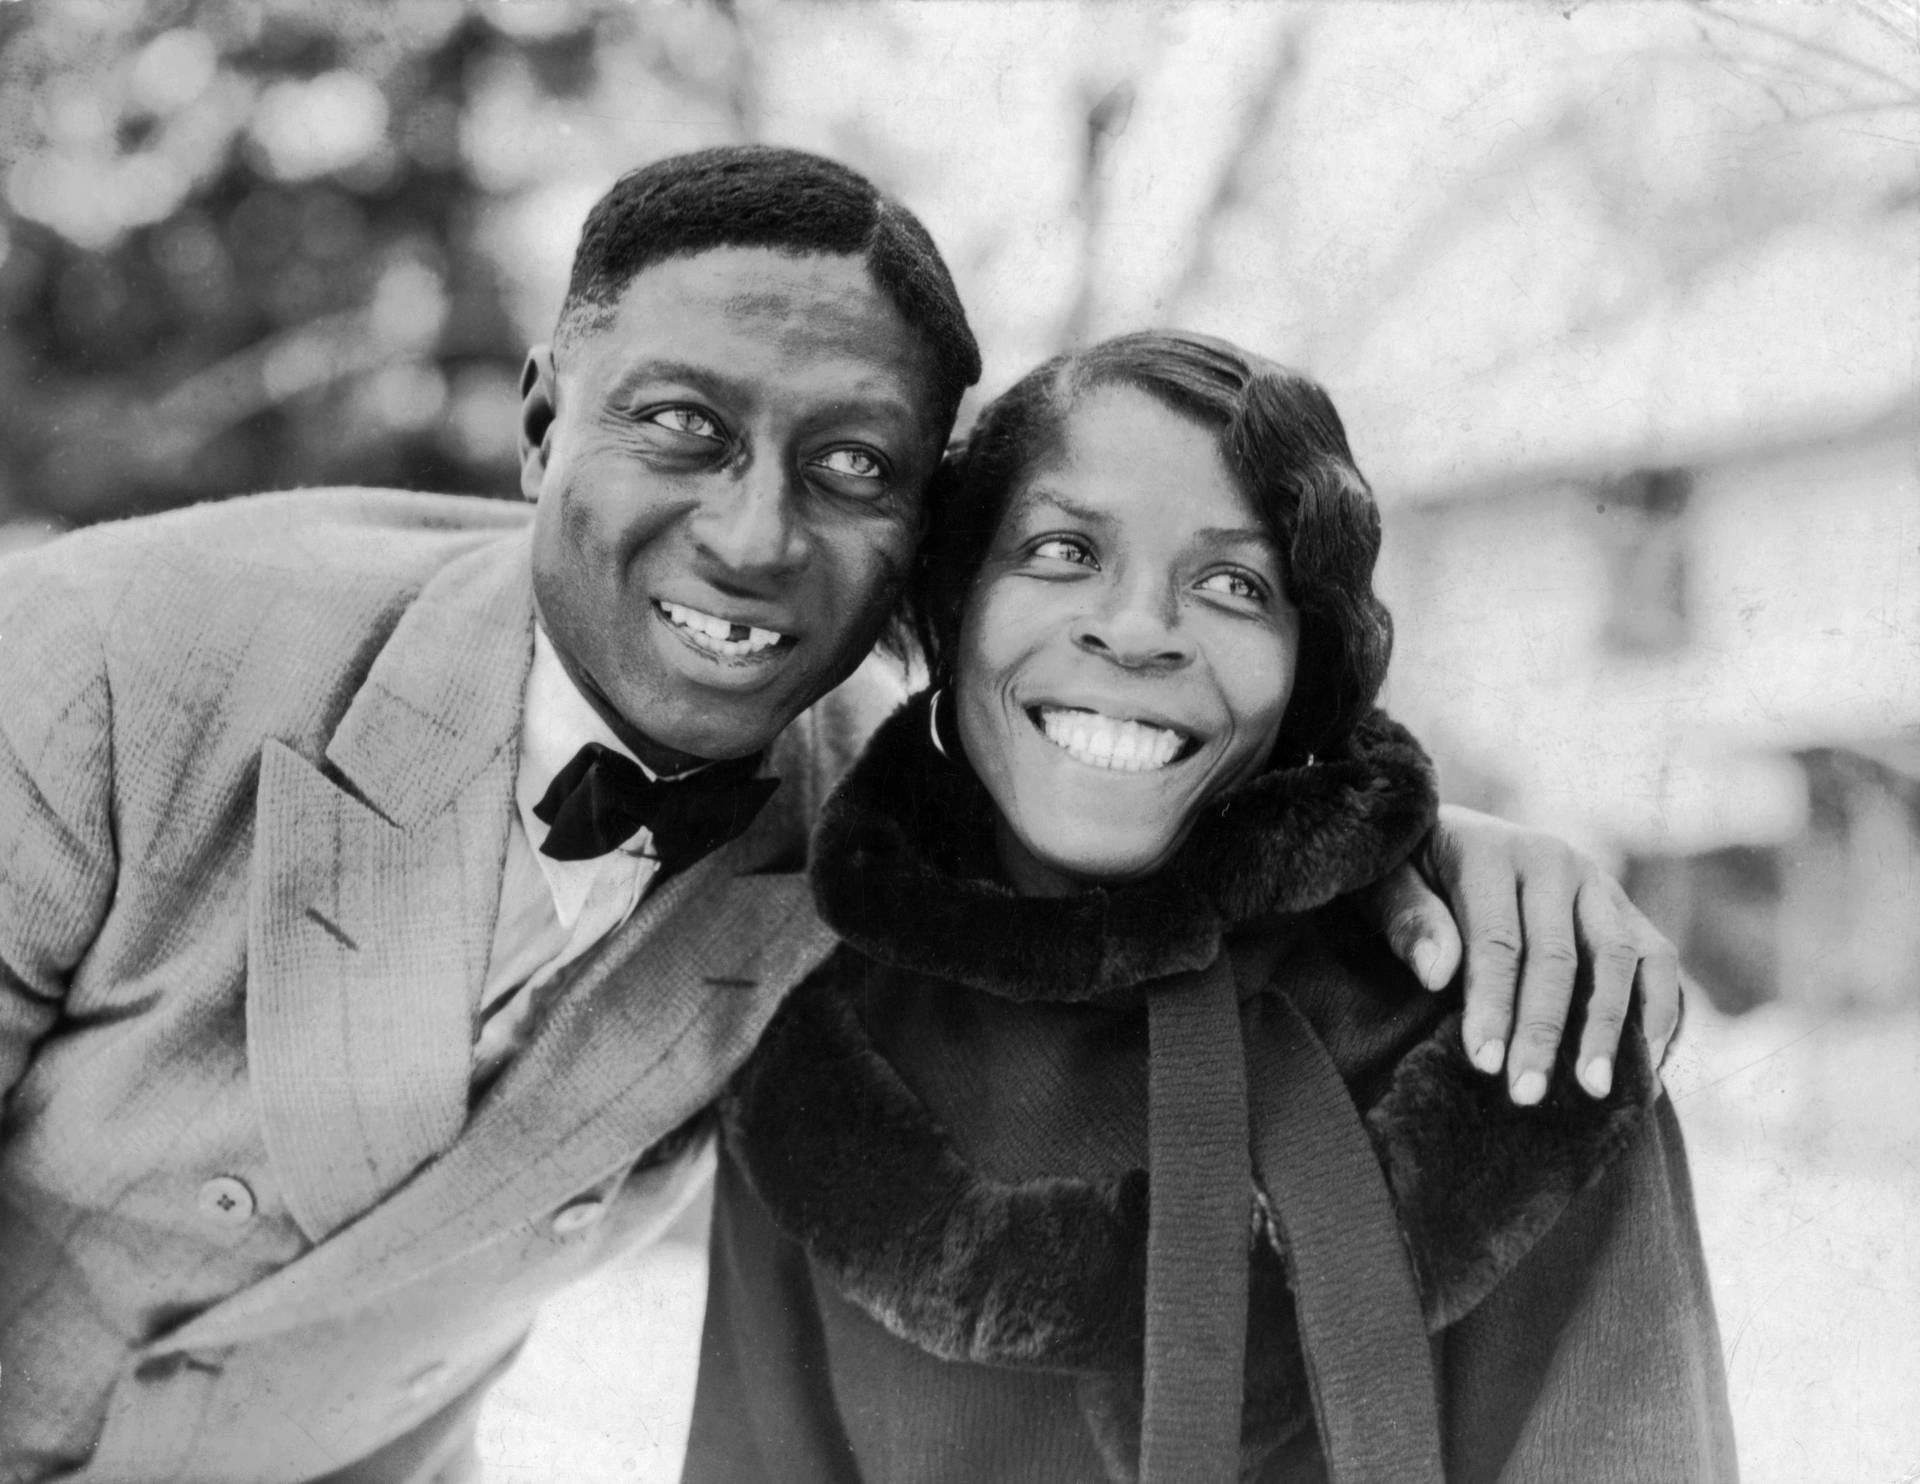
928 1251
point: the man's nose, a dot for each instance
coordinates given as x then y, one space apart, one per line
1135 624
751 521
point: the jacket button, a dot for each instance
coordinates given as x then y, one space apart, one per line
578 1215
422 1383
226 1201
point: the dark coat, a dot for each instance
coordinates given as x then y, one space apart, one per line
929 1241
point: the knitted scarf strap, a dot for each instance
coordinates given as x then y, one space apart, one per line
1198 1184
1213 1094
1361 1326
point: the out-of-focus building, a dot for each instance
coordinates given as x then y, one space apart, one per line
1710 671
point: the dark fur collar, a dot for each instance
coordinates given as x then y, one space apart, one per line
1051 1273
903 866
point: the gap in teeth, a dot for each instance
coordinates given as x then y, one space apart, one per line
716 634
1107 742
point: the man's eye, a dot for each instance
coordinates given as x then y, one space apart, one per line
1063 549
851 463
689 420
1234 585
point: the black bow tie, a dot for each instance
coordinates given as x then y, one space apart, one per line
597 802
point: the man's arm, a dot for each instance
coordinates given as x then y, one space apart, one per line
1538 918
57 857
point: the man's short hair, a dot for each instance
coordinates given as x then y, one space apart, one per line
785 199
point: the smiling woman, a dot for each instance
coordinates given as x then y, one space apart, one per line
1128 650
1144 590
1107 1147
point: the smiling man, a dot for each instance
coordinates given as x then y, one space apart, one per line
388 881
728 475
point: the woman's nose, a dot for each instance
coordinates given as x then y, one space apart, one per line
750 520
1136 629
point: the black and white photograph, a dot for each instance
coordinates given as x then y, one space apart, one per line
959 741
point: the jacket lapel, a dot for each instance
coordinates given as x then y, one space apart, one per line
375 884
628 1054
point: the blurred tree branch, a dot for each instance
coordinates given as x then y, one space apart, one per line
1807 50
1251 137
1107 112
245 245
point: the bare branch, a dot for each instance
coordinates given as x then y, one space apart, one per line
1230 185
743 78
1452 218
1107 117
1885 105
1871 12
1806 45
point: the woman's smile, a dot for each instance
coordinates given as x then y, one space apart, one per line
1118 744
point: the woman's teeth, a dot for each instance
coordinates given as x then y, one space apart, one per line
716 635
1107 742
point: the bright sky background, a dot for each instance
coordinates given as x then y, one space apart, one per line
1507 239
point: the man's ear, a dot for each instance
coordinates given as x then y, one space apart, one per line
539 404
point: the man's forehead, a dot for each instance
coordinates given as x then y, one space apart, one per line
730 310
748 281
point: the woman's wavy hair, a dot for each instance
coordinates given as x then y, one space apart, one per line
1281 439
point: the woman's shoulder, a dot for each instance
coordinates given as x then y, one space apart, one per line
1362 1003
1476 1180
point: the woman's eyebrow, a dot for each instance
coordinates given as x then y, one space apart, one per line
1060 504
1236 536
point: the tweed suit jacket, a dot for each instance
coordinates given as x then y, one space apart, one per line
256 772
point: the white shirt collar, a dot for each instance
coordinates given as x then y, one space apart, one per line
556 721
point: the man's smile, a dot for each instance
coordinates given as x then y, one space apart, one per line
722 637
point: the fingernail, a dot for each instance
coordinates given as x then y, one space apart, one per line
1598 1076
1426 958
1489 1056
1530 1088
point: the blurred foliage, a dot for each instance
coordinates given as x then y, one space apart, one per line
252 243
245 245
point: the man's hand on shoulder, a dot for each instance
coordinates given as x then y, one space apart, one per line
1534 919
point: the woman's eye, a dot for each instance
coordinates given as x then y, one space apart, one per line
689 420
1061 549
1234 585
851 463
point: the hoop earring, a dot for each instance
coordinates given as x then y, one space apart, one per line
933 722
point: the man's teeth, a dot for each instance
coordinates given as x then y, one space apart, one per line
1107 742
716 634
